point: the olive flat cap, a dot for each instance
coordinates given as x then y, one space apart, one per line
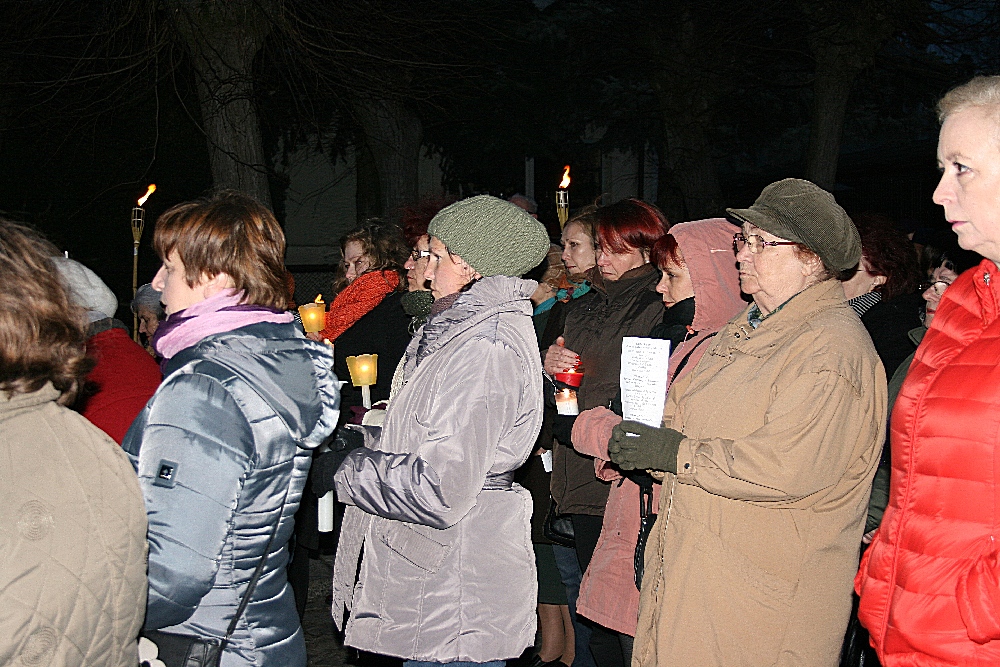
801 211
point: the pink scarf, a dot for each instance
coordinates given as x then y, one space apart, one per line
215 314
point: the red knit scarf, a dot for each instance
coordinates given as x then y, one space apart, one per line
356 300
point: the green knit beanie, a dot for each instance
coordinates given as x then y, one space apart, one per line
493 236
803 212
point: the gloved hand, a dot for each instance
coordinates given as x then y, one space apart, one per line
325 466
562 428
635 446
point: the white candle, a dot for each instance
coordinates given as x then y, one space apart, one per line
326 513
566 402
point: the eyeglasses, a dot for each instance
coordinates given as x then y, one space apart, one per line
756 243
418 255
939 286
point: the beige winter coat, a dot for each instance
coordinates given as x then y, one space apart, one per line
72 539
752 559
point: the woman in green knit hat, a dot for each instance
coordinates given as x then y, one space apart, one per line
448 572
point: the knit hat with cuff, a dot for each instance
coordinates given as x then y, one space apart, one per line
495 237
803 212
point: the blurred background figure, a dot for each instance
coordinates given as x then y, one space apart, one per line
623 302
72 519
147 307
928 582
882 290
124 376
525 202
224 446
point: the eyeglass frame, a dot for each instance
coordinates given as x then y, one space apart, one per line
739 237
416 254
926 285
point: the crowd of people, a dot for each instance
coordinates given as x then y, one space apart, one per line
822 488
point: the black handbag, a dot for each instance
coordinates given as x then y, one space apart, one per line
176 650
559 527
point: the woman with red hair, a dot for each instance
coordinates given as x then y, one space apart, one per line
623 302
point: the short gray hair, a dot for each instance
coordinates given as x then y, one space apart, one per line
149 298
981 91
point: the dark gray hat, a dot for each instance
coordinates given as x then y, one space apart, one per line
496 238
803 212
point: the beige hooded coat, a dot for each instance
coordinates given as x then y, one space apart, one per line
752 558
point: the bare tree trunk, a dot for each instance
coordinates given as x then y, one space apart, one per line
393 137
845 36
223 37
831 91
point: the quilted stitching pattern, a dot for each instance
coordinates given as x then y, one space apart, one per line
72 540
943 508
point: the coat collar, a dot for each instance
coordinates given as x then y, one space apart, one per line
13 404
488 297
801 308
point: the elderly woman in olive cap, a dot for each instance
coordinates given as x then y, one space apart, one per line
768 447
448 571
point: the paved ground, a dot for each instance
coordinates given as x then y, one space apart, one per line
322 641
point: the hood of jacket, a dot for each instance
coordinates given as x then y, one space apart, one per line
489 296
286 369
707 246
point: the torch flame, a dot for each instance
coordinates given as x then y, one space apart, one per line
319 298
150 190
565 179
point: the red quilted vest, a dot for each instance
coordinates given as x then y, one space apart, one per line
929 583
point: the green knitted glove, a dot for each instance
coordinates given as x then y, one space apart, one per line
635 446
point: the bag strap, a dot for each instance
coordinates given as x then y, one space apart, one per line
256 574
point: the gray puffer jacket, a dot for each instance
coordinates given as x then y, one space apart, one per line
448 570
226 436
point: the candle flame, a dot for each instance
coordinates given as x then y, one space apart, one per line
565 179
318 299
150 190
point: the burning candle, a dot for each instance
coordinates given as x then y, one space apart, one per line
364 373
566 402
562 199
313 315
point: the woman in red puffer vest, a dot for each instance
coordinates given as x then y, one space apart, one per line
930 583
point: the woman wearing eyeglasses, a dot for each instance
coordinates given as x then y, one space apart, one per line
768 448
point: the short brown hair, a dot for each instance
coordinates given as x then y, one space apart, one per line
42 332
229 233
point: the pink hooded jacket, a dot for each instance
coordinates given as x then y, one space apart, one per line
608 595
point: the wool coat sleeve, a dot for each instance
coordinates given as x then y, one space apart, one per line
472 400
196 434
803 447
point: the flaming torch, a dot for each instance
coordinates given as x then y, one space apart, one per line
138 219
562 199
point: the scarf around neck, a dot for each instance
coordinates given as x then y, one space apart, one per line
357 300
216 314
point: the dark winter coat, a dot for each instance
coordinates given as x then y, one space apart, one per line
595 326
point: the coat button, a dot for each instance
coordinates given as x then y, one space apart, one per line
687 465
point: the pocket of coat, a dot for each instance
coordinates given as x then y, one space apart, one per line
415 547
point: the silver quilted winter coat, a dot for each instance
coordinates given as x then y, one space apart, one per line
448 570
226 435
